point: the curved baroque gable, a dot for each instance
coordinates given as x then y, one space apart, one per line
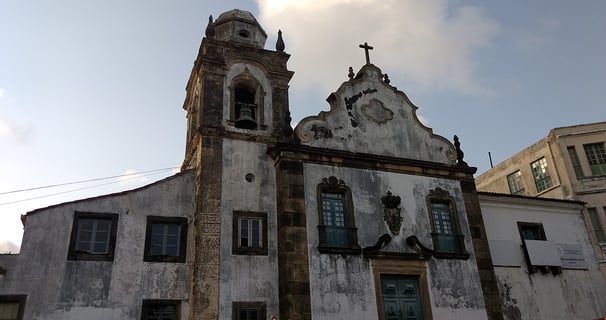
367 115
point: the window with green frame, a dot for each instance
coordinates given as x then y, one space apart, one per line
596 155
448 241
542 179
514 181
337 229
574 160
596 223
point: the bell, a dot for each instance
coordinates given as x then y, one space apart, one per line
245 117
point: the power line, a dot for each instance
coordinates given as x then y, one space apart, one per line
149 173
83 181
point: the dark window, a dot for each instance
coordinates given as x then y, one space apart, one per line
574 160
514 181
337 228
93 236
542 179
448 241
166 239
249 233
596 223
249 311
161 310
596 155
12 307
531 231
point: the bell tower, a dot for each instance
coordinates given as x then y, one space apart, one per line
237 106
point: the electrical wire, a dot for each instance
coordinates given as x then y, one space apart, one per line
138 175
83 181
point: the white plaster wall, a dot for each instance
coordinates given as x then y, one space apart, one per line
342 287
60 289
573 294
247 278
235 70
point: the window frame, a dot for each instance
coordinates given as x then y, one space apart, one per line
441 196
337 186
596 224
575 162
74 254
260 307
236 237
514 181
542 180
15 298
146 304
541 235
183 225
596 157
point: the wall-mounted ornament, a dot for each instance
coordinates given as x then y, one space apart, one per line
391 212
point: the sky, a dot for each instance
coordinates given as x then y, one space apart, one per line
93 90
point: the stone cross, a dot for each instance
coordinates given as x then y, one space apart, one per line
366 47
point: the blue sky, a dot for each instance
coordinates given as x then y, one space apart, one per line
92 89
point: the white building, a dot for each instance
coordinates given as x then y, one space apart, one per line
543 258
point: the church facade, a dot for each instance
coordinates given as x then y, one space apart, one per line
360 212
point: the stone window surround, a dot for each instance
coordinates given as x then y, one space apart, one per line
183 223
415 268
236 249
73 254
147 303
20 299
439 195
334 185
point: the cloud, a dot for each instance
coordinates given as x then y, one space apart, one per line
533 38
428 43
8 247
12 132
132 177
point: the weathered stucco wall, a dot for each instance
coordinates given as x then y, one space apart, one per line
248 278
60 289
343 286
573 294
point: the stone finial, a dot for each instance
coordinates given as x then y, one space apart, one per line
460 153
386 78
280 42
210 28
351 74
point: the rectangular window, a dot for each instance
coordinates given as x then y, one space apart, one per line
12 307
596 223
249 311
444 227
333 212
166 239
531 231
542 178
250 233
515 183
93 236
574 160
161 310
597 158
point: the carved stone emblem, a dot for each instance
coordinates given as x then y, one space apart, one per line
376 111
391 212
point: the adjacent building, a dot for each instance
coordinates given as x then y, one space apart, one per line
543 258
570 163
